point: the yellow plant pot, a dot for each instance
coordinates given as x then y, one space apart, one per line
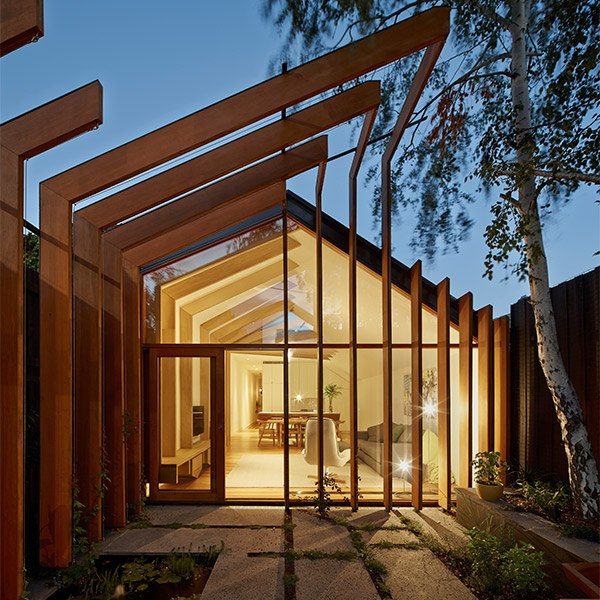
491 493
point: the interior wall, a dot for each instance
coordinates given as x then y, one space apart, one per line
242 398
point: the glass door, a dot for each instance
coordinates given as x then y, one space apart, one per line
185 423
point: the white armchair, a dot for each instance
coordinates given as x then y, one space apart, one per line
332 457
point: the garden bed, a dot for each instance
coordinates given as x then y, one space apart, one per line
157 577
503 521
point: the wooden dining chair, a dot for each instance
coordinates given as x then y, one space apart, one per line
268 428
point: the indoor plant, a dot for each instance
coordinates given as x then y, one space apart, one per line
331 391
488 475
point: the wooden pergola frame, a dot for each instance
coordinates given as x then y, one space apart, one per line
21 22
97 268
60 193
158 189
172 228
20 139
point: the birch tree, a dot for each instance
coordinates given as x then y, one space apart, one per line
511 107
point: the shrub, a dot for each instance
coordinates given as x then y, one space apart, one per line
547 498
488 468
498 571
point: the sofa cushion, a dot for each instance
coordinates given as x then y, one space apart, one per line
397 431
375 433
406 435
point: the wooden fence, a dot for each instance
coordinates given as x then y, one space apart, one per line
535 436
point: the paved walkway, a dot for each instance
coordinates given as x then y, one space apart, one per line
366 555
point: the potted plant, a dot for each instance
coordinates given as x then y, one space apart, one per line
488 475
331 391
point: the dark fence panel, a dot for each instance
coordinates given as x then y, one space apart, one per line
32 418
536 444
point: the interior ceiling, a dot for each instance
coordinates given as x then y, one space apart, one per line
236 296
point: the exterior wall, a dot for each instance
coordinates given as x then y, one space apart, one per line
535 436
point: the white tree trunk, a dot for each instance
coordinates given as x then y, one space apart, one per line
583 470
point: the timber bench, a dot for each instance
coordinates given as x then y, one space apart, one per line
187 462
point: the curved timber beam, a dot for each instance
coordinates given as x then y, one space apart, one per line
59 193
21 138
21 22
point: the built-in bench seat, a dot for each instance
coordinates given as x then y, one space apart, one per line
187 462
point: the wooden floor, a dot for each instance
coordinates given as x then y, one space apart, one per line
245 443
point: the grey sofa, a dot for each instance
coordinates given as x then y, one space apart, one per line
370 448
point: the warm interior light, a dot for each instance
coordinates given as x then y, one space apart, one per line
298 397
429 409
404 465
290 354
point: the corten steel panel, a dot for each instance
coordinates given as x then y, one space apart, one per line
21 138
485 379
112 377
21 22
132 385
218 120
319 273
416 383
465 383
443 401
359 153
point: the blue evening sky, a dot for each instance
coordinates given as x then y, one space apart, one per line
159 61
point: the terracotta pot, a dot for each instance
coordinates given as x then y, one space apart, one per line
491 493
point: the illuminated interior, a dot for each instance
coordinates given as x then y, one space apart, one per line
231 294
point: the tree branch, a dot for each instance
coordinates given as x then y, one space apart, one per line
550 174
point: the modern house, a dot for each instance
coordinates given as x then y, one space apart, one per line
208 336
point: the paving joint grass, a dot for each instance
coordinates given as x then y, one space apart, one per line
294 554
289 574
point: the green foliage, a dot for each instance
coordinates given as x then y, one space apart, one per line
31 251
549 499
488 468
88 578
465 132
583 531
376 569
332 391
330 486
553 501
497 571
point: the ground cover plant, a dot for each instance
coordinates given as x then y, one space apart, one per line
554 502
175 575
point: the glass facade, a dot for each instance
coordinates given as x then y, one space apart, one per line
230 295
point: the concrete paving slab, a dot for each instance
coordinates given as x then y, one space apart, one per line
328 579
215 515
237 576
419 575
312 533
438 524
393 537
158 541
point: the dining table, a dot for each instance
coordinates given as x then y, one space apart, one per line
296 418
